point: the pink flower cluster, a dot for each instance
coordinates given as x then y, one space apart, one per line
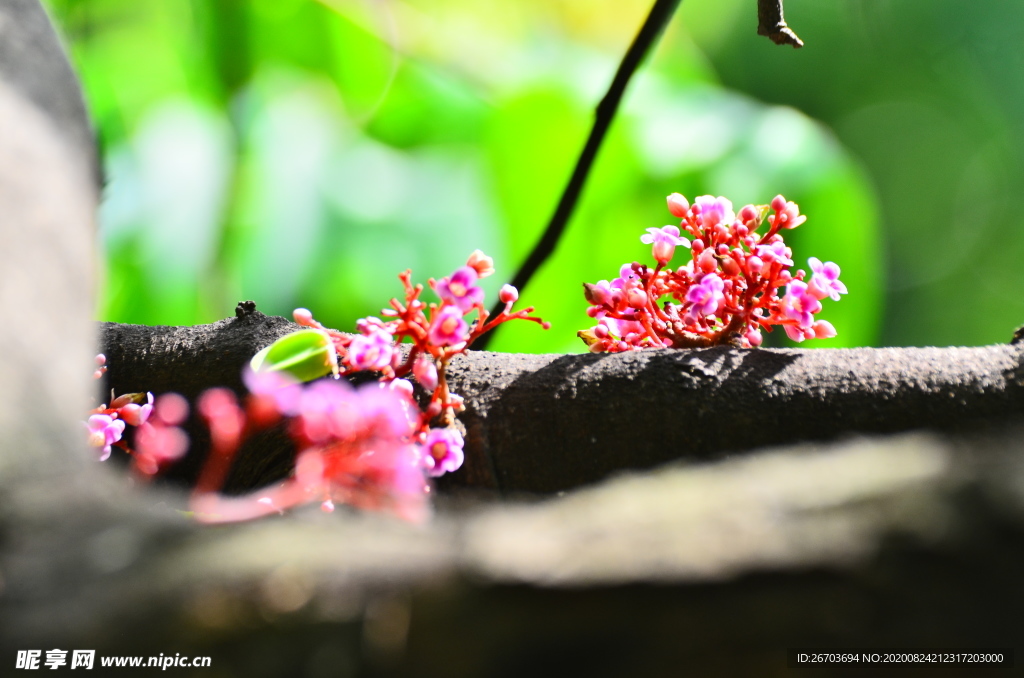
371 447
436 333
157 439
356 446
736 283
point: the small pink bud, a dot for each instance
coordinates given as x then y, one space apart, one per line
425 372
508 294
753 337
748 213
171 409
601 332
100 359
754 265
403 386
481 263
304 317
823 329
707 261
678 205
778 203
730 267
327 506
697 246
595 295
636 298
136 414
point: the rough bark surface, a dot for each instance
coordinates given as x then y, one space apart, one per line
713 567
547 423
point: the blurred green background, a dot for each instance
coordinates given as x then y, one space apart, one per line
302 152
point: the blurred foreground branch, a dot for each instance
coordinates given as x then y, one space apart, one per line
713 568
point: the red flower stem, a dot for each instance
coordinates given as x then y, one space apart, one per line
216 468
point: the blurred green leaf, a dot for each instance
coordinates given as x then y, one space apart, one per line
306 355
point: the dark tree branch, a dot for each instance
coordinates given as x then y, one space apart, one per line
544 423
653 27
771 24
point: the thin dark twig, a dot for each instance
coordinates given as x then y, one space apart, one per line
656 21
771 23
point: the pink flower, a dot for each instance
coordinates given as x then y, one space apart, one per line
798 334
386 408
825 281
219 408
136 415
157 445
171 409
706 295
714 211
104 431
601 293
159 441
799 304
626 276
371 350
619 328
776 251
276 388
665 241
460 288
425 372
443 451
371 469
448 328
327 409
